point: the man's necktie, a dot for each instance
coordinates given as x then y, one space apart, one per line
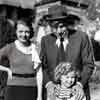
61 52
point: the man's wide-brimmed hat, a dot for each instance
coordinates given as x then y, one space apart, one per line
57 12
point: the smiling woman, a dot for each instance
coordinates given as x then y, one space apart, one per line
21 84
23 32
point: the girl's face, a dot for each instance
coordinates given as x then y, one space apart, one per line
23 33
68 80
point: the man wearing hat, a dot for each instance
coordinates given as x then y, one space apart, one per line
66 44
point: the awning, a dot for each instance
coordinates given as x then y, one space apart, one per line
1 1
19 3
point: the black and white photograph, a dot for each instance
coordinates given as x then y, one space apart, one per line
49 49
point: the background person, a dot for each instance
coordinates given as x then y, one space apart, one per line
43 28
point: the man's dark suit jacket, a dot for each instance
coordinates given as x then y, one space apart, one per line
79 52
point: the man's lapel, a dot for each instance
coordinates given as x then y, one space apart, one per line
54 45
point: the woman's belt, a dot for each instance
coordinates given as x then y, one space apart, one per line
24 75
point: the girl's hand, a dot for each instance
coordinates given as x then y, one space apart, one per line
9 74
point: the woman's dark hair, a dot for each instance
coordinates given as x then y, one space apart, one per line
26 22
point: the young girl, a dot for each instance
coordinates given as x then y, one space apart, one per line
66 78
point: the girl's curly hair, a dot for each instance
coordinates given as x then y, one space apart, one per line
63 69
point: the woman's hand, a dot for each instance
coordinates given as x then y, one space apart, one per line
9 74
8 70
39 98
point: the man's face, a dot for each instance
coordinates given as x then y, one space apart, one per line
61 29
